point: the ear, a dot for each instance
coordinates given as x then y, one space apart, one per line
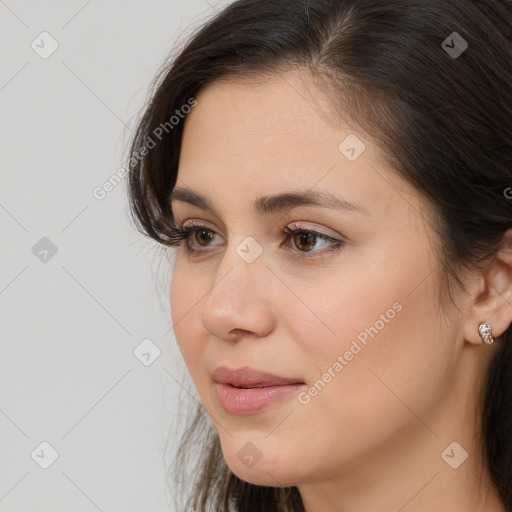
493 295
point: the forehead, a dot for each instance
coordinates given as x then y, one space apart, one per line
271 114
254 137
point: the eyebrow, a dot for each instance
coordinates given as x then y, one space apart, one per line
273 204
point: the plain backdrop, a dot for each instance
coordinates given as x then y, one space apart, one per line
89 368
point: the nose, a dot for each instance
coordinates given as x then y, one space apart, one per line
239 303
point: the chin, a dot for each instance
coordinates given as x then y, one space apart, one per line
268 473
261 477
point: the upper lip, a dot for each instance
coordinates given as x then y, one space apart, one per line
249 377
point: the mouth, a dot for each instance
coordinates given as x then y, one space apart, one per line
250 378
240 401
246 391
247 387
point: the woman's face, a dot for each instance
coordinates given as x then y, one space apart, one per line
357 325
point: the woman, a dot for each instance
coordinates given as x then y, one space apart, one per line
336 178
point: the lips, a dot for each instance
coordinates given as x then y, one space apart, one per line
246 391
249 378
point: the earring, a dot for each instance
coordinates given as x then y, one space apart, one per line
485 331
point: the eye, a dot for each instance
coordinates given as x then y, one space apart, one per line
200 234
305 239
203 236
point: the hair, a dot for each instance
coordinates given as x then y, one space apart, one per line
443 123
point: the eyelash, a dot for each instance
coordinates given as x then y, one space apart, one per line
177 235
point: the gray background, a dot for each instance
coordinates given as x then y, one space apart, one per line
71 320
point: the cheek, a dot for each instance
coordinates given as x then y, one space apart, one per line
384 358
387 309
185 319
345 315
380 319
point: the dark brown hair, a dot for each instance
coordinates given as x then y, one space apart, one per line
443 121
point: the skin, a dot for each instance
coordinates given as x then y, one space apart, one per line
371 440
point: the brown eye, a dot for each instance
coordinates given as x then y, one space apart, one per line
305 241
203 235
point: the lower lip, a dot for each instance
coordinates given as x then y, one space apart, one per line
249 401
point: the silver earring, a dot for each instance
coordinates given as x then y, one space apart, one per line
485 331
